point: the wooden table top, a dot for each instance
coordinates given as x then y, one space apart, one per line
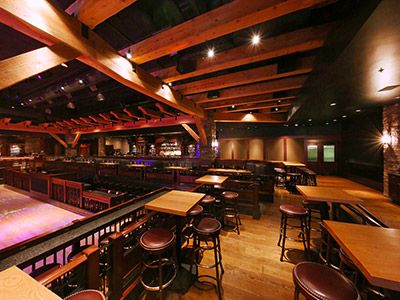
293 164
175 202
109 164
17 285
211 179
176 168
247 172
374 250
327 194
84 162
137 166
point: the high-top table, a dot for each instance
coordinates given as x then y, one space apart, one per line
177 203
374 250
142 168
17 285
229 171
328 194
176 170
211 179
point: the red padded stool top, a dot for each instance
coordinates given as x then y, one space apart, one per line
197 210
292 210
86 295
323 283
207 200
156 239
230 195
208 226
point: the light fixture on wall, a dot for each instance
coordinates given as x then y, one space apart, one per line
214 143
386 139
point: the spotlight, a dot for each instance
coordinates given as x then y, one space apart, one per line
100 97
296 124
80 82
233 106
256 39
163 86
65 65
129 54
170 83
13 107
39 77
30 100
309 120
210 53
344 116
358 110
71 105
22 103
333 104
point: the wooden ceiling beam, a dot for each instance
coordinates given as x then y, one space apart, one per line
58 139
86 120
79 122
187 119
191 132
93 12
134 113
231 17
99 120
26 65
202 132
255 106
107 118
249 100
164 110
304 66
296 41
42 20
76 139
250 118
121 117
255 89
149 112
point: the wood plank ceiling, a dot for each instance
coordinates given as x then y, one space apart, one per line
127 65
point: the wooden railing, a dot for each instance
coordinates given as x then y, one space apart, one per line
95 202
118 271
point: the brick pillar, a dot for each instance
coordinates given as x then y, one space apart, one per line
69 139
102 146
391 152
208 152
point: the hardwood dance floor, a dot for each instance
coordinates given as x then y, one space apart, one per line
23 217
251 260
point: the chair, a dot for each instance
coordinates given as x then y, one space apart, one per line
318 282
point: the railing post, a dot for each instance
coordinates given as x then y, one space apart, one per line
117 263
93 270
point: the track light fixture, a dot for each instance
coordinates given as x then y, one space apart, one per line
129 54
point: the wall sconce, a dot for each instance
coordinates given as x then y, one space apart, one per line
386 139
214 143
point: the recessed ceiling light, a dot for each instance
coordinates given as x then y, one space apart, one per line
233 106
358 110
296 124
344 116
129 54
333 104
327 123
255 39
170 83
210 53
334 120
30 100
309 120
13 107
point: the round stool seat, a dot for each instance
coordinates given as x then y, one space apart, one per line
87 295
293 174
230 195
292 210
207 200
156 239
322 283
312 204
43 271
208 226
197 210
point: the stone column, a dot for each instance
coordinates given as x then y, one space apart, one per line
208 152
102 146
391 152
69 139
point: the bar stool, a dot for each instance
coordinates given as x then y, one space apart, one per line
157 242
280 175
208 202
318 282
208 230
192 218
313 207
230 208
86 295
293 212
328 249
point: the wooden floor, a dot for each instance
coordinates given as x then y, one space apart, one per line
251 260
23 217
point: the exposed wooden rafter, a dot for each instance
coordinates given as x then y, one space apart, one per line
191 132
263 98
149 112
164 110
201 130
292 42
76 139
187 119
256 106
99 120
234 16
255 89
5 124
93 12
107 118
23 66
121 116
58 139
250 118
134 113
45 22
